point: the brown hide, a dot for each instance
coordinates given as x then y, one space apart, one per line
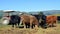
29 19
51 20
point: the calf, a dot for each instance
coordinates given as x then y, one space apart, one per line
14 20
42 20
29 19
51 20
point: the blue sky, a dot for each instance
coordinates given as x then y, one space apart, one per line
30 5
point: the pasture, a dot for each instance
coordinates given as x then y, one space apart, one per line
7 29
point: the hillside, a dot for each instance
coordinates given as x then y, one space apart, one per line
49 12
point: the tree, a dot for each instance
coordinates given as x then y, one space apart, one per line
40 13
1 14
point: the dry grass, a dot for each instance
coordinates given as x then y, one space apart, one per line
9 30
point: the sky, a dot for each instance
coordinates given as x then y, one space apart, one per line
30 5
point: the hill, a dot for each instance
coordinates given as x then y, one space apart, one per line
49 12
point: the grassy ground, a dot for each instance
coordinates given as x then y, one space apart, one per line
56 14
7 29
4 29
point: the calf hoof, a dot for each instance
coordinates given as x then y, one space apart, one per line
21 26
44 27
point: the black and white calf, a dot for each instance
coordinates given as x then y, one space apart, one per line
15 20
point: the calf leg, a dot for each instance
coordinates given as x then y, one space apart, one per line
18 24
24 25
12 25
33 25
30 25
27 25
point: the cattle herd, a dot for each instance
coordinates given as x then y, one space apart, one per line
31 21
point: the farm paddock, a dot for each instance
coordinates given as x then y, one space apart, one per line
7 29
